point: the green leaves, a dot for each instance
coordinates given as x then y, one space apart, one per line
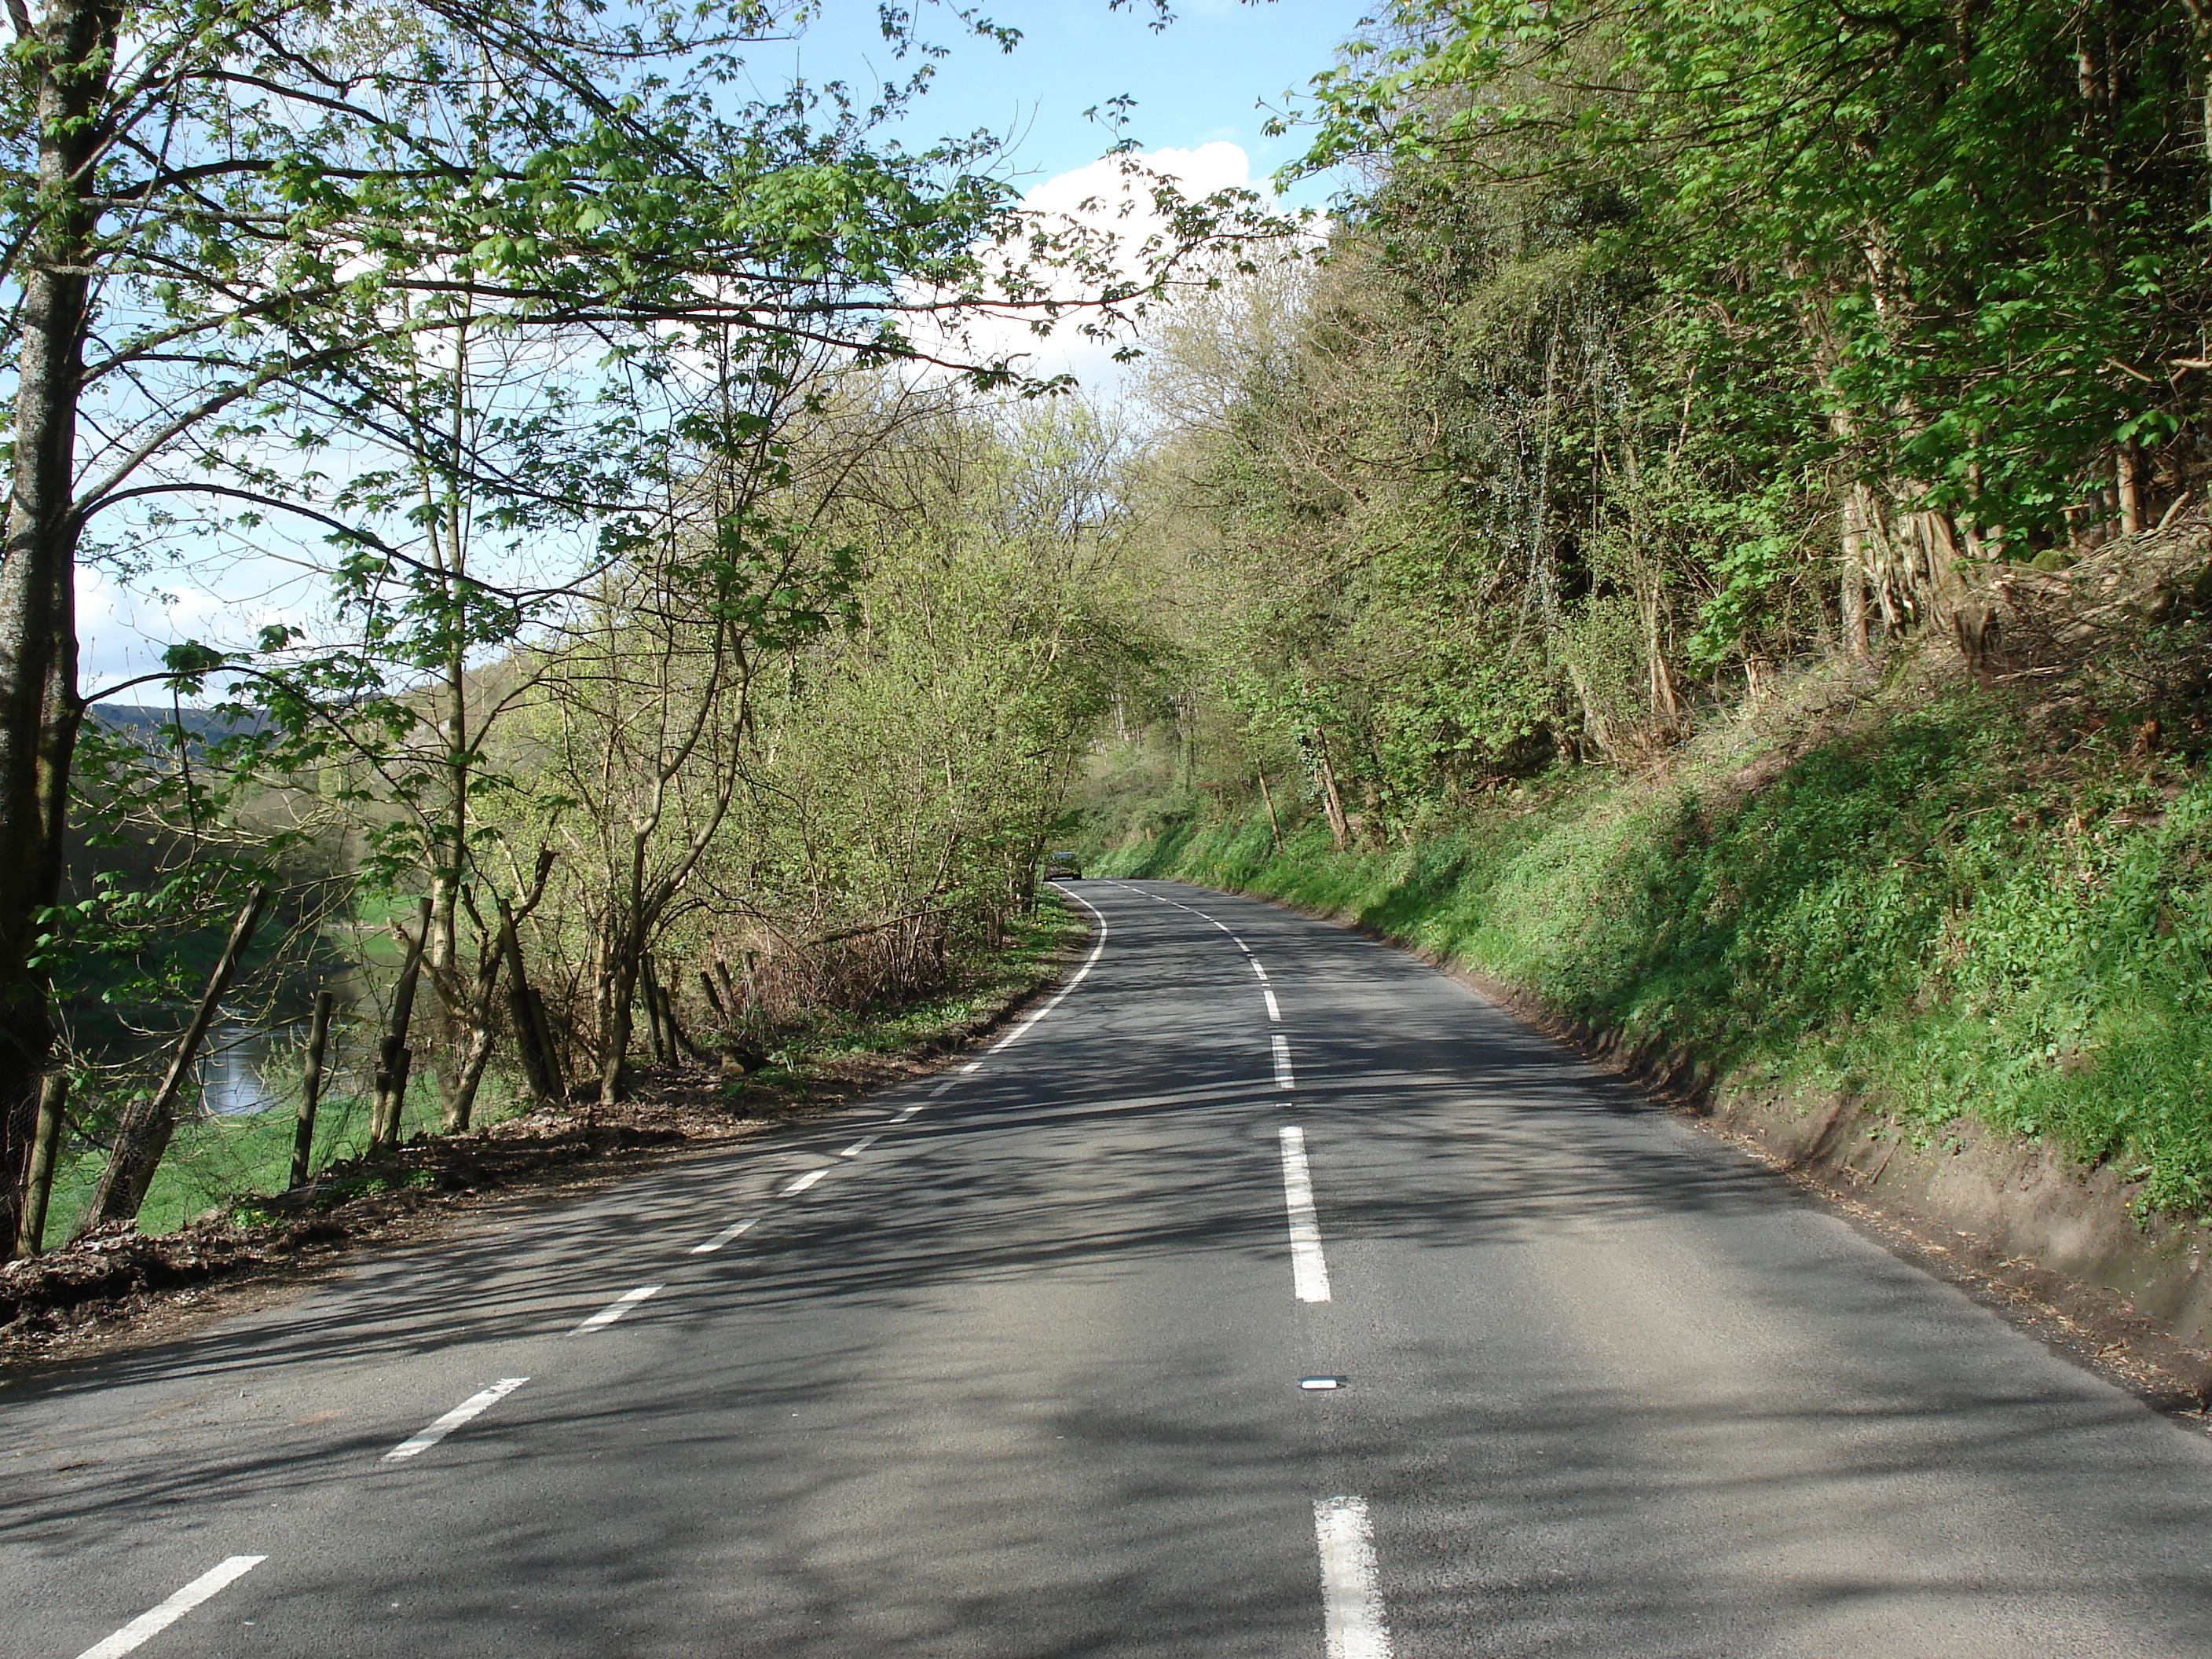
191 662
1748 572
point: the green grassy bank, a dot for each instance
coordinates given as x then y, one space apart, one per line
1948 906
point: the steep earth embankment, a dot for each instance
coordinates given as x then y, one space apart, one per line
1940 941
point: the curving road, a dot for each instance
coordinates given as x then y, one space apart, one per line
1032 1359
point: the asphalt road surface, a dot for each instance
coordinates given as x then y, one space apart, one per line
1016 1361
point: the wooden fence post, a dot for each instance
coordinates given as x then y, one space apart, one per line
311 1090
393 1057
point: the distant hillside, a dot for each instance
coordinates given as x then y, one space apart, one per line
150 722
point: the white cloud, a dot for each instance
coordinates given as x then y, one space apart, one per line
123 627
1099 197
1219 165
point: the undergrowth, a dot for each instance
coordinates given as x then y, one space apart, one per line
215 1161
1024 952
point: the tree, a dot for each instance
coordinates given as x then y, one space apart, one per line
1957 251
228 232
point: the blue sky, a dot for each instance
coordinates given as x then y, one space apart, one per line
1199 80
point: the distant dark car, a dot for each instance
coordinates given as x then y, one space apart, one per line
1063 867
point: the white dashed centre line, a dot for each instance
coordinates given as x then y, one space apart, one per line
1308 1267
157 1619
1352 1601
724 1236
1285 1079
911 1110
804 1182
1254 965
1274 1012
860 1145
473 1405
616 1308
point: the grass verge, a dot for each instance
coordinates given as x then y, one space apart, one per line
1947 902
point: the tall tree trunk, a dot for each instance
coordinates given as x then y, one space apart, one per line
1339 823
1543 564
46 1154
1853 582
1944 569
656 1037
533 1041
465 1019
1666 706
617 994
460 1089
2200 33
613 1058
38 706
1596 726
394 1059
1274 823
468 1078
311 1091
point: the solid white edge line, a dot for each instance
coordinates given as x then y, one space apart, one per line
860 1145
1059 996
724 1236
1274 1012
803 1183
483 1399
158 1619
1352 1600
1284 1078
616 1308
1309 1266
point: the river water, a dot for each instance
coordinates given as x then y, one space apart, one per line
244 1070
232 1067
